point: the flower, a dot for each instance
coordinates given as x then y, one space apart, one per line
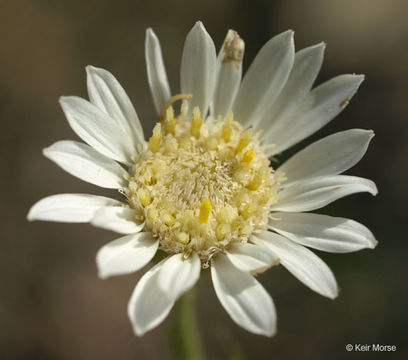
202 188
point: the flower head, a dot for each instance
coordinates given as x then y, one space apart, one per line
202 187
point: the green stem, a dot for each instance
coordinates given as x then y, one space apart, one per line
185 332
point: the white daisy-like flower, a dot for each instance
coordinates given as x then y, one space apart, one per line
202 189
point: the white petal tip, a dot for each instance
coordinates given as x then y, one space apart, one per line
320 47
331 294
90 70
46 150
270 333
359 77
139 332
150 33
373 244
102 276
370 133
287 36
30 216
374 190
199 26
353 78
63 99
34 214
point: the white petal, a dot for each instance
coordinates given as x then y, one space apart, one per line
86 164
97 129
314 193
329 156
70 208
229 72
198 68
322 232
119 219
264 79
108 95
251 258
178 275
243 297
305 68
156 72
126 254
148 305
317 108
301 262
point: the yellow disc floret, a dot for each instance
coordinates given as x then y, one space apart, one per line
155 140
205 210
201 185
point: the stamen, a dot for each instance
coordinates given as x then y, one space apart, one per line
242 197
205 210
196 123
184 109
222 230
182 237
226 132
185 143
170 122
248 156
211 143
226 128
170 102
167 218
144 196
244 230
258 178
249 210
244 140
227 214
153 214
155 140
189 221
171 145
159 166
147 176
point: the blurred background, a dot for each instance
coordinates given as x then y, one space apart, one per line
52 304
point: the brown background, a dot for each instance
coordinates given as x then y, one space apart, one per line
53 306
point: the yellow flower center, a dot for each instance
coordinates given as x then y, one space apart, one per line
201 185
